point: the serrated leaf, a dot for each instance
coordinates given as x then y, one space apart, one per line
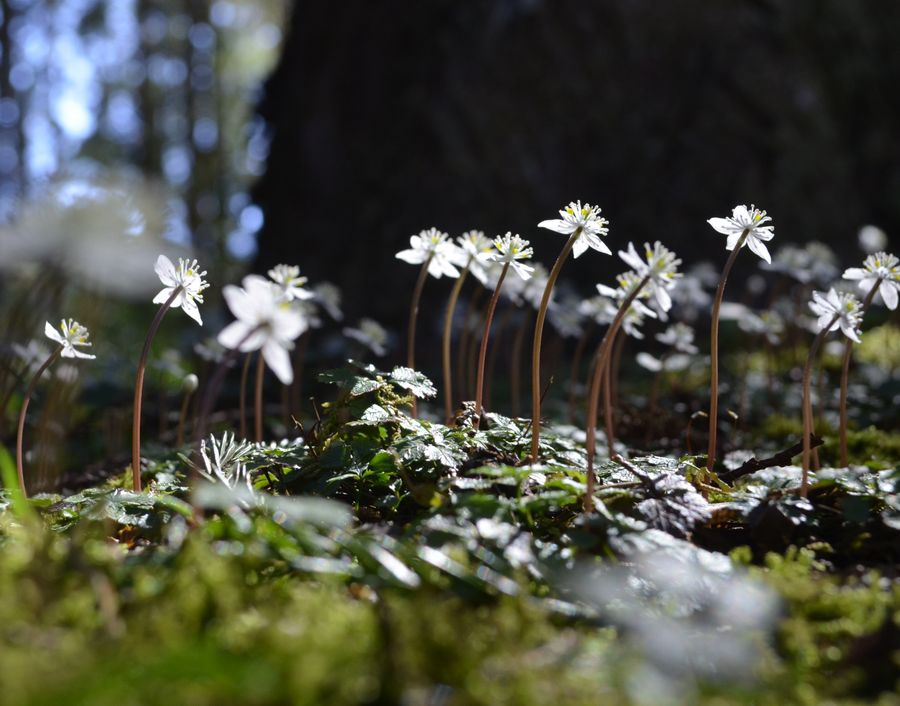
413 381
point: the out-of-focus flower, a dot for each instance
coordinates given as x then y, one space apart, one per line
669 363
680 336
513 250
328 295
872 239
587 220
371 334
883 267
264 322
750 220
660 266
566 317
434 247
210 350
69 335
99 230
288 279
815 262
189 278
838 310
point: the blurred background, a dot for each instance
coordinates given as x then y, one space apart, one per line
321 134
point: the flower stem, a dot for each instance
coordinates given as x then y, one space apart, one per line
215 382
139 391
515 369
413 315
482 353
807 403
845 377
536 346
258 397
445 347
601 360
20 432
608 394
242 395
182 418
714 352
576 368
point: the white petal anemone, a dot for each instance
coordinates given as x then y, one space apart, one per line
328 296
638 311
474 249
883 267
838 310
566 318
600 308
69 335
587 220
187 276
752 220
288 279
680 337
371 334
265 322
513 250
434 247
660 265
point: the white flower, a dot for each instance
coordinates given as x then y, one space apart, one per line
371 334
637 312
264 321
672 363
661 267
813 262
872 239
70 334
434 247
474 249
750 220
288 278
510 249
842 308
600 308
879 266
188 277
566 317
587 220
680 336
329 296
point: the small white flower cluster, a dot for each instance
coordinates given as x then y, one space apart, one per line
746 223
511 249
435 248
187 279
880 269
584 219
371 334
69 335
838 310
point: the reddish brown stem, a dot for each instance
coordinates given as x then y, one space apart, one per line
242 394
258 397
482 352
536 345
845 378
20 432
445 343
601 360
139 391
714 352
413 316
807 402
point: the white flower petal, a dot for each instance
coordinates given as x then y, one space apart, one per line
190 308
732 241
888 291
558 226
54 335
755 244
413 257
239 302
165 270
163 295
721 225
855 273
579 247
279 361
233 334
